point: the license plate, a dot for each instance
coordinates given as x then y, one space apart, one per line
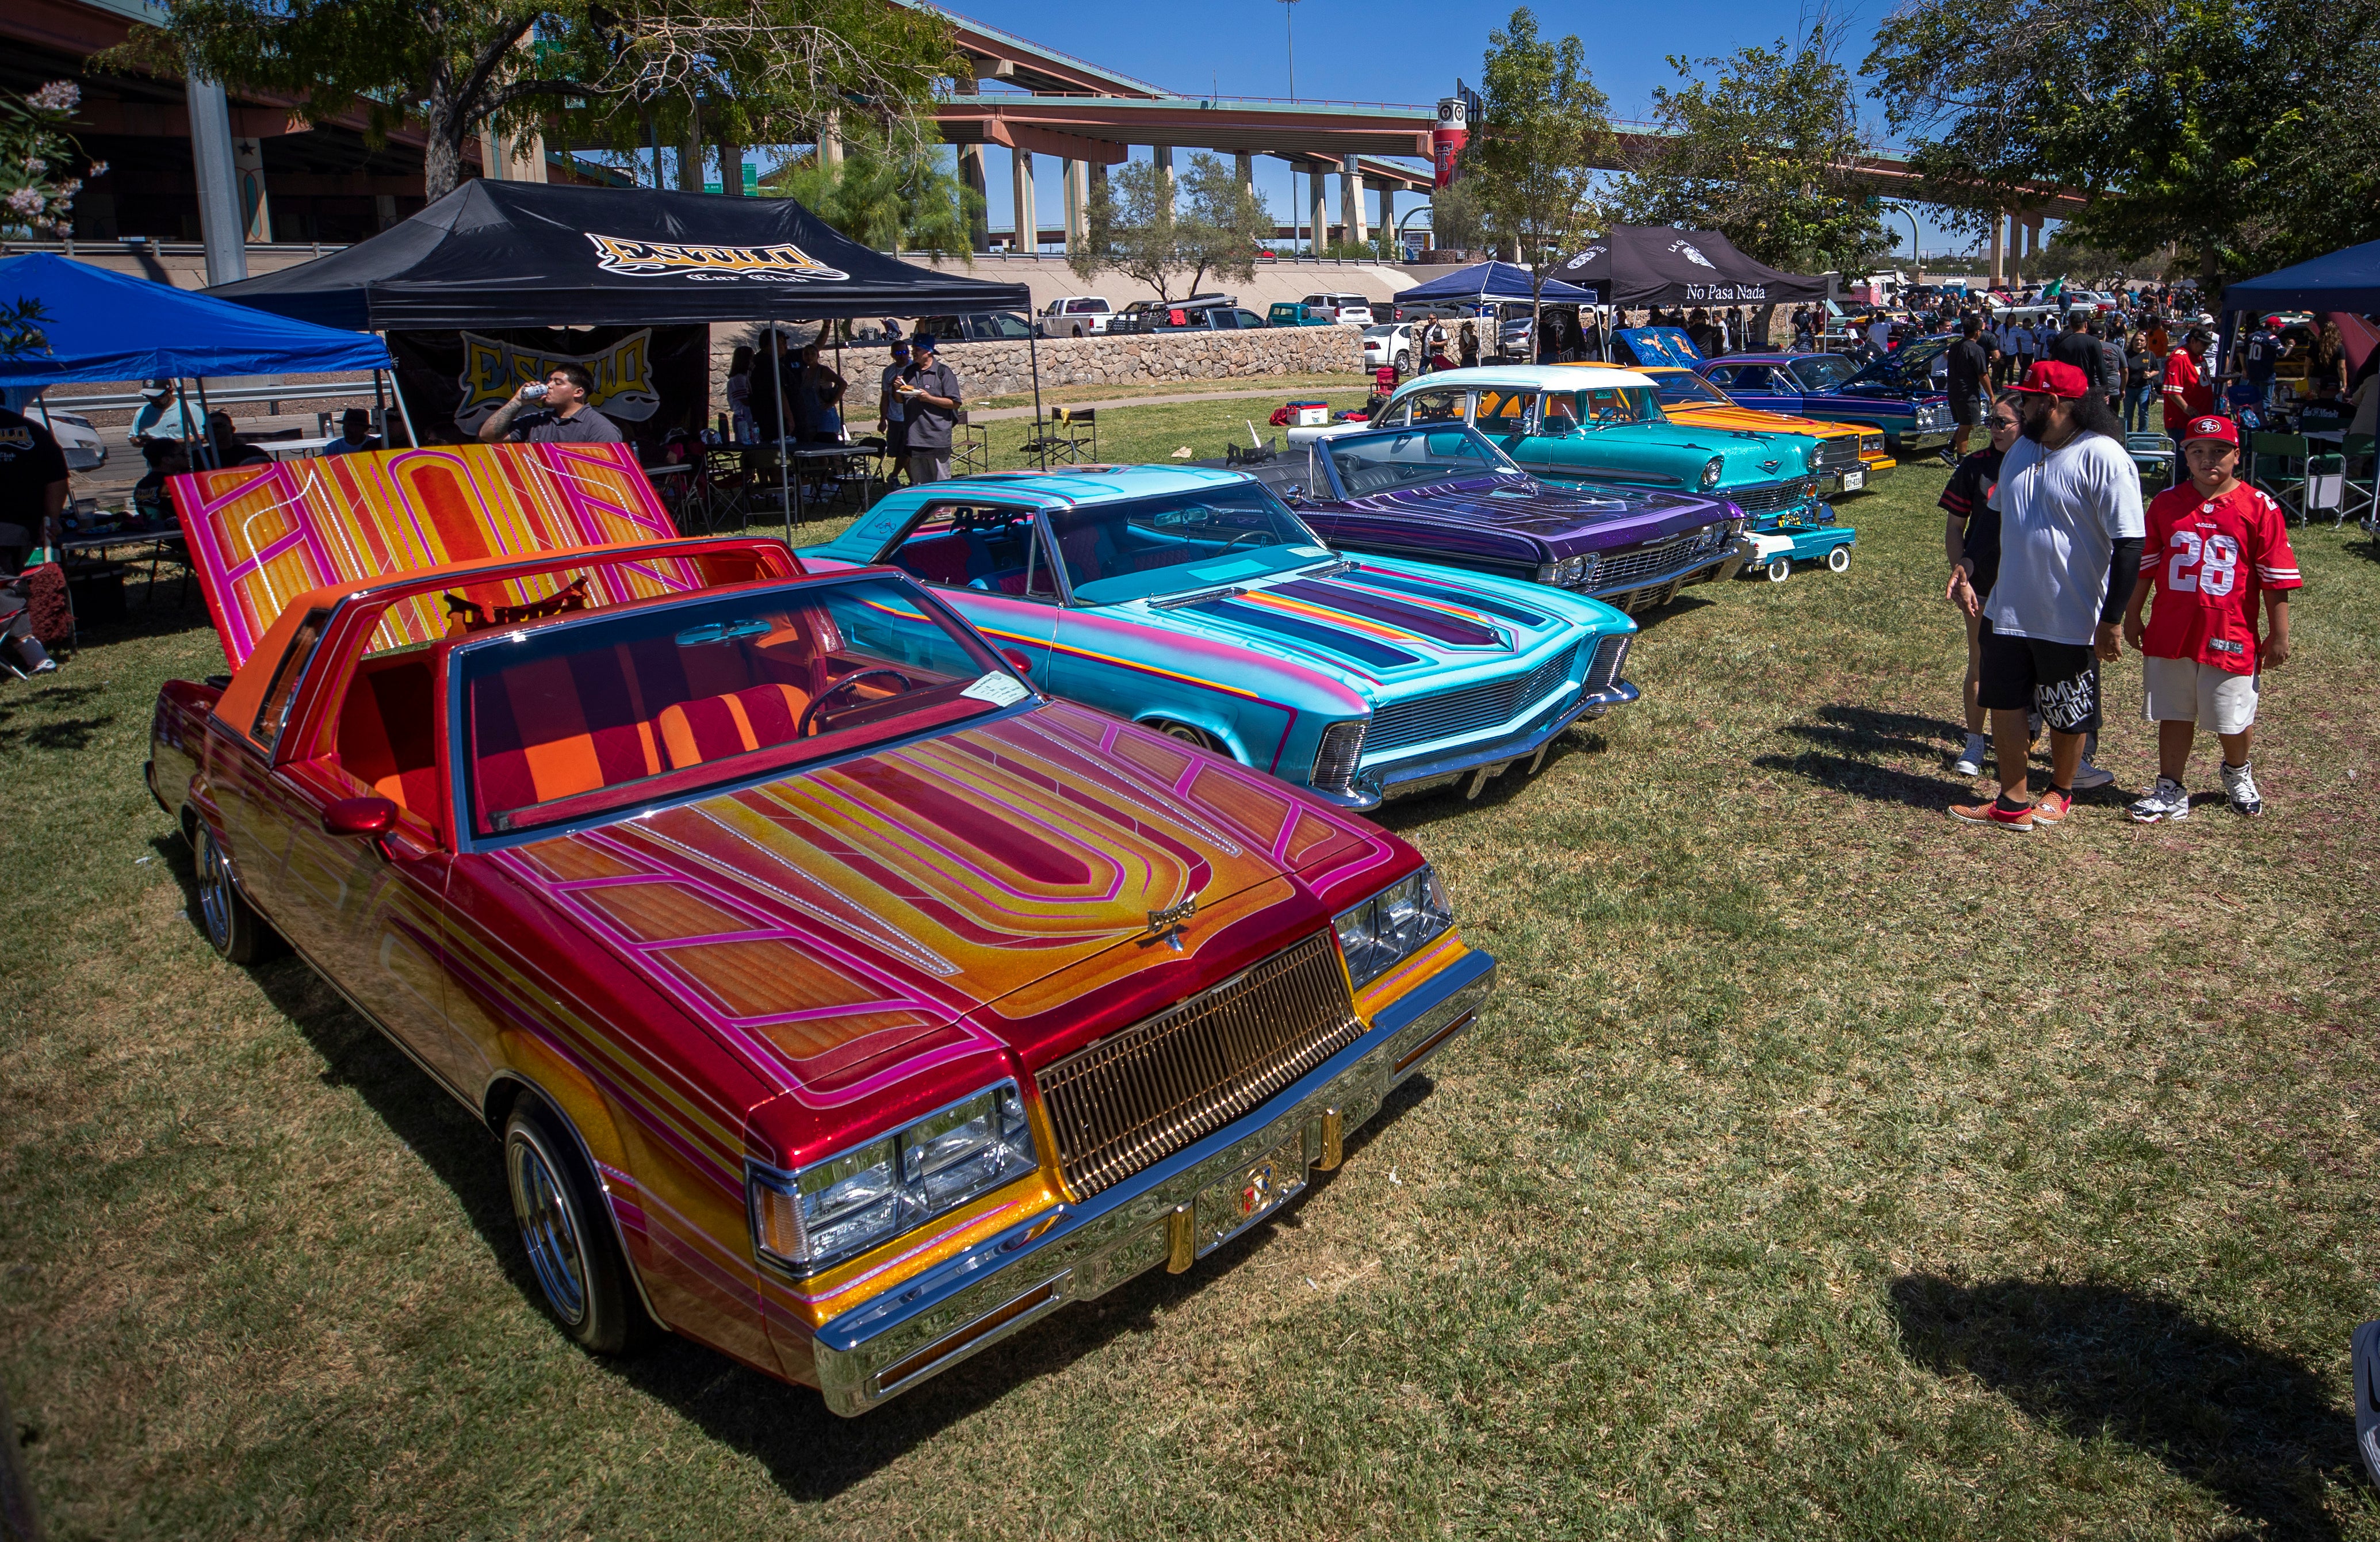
1854 481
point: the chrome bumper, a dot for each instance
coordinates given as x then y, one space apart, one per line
1185 1205
1406 778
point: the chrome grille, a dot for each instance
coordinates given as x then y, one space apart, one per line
1610 658
1146 1092
1839 454
1638 564
1772 499
1473 708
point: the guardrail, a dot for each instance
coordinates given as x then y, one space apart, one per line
271 395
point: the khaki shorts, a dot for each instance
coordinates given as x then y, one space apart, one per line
2183 690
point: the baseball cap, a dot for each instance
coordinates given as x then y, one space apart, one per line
2054 380
2213 426
924 342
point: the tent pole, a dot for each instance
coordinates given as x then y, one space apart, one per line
777 355
380 410
403 412
206 443
1033 352
182 401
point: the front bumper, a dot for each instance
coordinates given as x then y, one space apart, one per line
1405 778
1925 439
1181 1206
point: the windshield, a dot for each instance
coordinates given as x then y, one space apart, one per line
1150 547
1684 388
1383 461
1824 371
573 720
1603 406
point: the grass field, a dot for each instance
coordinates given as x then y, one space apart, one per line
1823 1169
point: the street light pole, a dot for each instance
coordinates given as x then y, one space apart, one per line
1288 31
1917 253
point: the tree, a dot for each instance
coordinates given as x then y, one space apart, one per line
602 70
1532 162
1455 217
1764 152
890 193
1145 230
2246 131
37 155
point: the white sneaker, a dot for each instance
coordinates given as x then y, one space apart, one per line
2087 776
2167 801
1971 762
2240 783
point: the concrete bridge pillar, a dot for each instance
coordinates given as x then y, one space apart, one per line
1161 156
1351 198
1246 166
1079 202
1028 215
1321 206
1387 222
971 177
2000 224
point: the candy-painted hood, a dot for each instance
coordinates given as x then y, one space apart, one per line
857 920
1569 520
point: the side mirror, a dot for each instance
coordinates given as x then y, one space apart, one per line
1293 494
1018 660
360 816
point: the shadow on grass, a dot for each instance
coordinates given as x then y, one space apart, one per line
2254 1428
1868 780
810 1454
45 695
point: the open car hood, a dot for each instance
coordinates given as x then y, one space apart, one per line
260 536
1581 519
841 925
1908 368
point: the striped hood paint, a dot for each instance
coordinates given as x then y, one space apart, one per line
1569 521
845 928
1371 621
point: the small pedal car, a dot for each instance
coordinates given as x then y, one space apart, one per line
1773 546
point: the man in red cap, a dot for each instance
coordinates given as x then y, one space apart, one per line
2069 504
2216 544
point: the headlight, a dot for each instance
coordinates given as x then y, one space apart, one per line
1711 471
843 1206
1870 443
1735 527
1335 756
1573 568
1589 567
1393 926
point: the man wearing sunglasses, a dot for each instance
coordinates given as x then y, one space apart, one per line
1971 538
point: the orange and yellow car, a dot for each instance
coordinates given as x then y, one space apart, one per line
1850 456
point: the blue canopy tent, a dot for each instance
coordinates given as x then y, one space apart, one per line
105 326
1483 281
2347 280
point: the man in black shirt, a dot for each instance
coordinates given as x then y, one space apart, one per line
1969 368
563 419
32 487
2076 347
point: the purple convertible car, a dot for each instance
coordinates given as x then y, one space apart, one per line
1445 494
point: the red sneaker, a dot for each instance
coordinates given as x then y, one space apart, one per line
2052 806
1990 812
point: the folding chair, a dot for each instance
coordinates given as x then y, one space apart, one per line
726 486
970 448
2154 453
1065 422
2276 462
2362 489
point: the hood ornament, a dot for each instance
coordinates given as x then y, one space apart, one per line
1165 926
1770 465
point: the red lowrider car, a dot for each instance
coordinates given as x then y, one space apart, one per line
840 1001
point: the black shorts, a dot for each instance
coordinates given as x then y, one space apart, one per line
2059 680
1962 407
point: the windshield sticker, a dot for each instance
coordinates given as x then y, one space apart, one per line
1001 690
1309 551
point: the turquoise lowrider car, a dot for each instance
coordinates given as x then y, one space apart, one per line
1196 602
1606 427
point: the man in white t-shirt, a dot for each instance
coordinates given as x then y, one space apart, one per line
2070 525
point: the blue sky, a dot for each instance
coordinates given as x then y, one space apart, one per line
1386 50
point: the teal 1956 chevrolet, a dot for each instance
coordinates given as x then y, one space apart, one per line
1606 427
1193 601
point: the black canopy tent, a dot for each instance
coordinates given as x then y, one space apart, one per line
517 254
1658 264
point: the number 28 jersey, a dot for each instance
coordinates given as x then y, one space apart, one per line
2214 558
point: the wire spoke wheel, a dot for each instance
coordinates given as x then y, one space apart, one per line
217 897
550 1230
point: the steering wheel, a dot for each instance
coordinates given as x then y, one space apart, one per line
1269 538
810 712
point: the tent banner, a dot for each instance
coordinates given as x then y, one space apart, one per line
648 380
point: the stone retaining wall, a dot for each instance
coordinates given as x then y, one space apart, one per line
1005 369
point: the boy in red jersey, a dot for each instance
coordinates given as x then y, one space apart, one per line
2214 545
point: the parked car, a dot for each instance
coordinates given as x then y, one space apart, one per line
841 1001
1850 456
1608 431
1193 601
1074 316
1444 494
1198 313
1296 314
1893 394
1392 346
78 441
982 326
1342 308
